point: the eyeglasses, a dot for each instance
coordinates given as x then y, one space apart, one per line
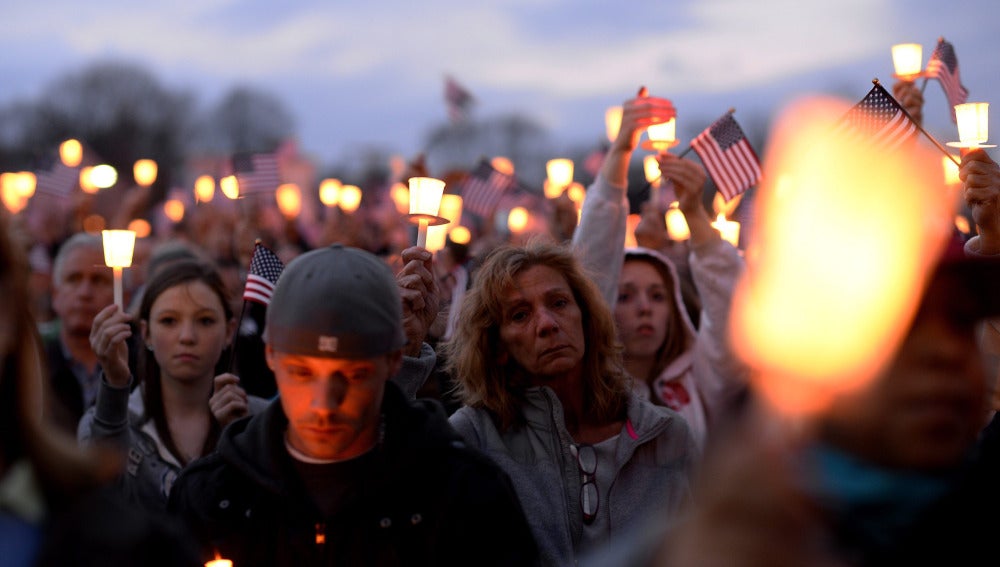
586 459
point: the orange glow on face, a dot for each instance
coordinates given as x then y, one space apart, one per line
833 280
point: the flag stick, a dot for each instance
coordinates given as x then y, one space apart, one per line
243 310
236 336
924 86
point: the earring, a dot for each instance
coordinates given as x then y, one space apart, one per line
149 347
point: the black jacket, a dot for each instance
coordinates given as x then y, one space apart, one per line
431 500
68 395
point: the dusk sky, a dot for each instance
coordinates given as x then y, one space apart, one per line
372 74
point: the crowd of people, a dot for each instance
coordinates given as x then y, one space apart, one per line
558 398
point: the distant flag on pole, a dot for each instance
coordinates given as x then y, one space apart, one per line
256 173
483 190
458 100
879 119
728 156
265 269
55 178
943 66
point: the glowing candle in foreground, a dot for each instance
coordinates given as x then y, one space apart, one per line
118 246
950 170
825 256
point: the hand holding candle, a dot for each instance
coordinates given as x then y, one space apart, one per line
118 247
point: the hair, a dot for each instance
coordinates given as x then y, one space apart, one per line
473 351
26 430
676 340
77 241
181 271
167 253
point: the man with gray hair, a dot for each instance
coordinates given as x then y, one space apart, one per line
82 285
343 468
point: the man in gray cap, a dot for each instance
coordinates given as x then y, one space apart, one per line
342 468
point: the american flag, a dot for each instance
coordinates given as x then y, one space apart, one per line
54 177
265 269
256 173
458 99
879 119
483 190
943 66
728 156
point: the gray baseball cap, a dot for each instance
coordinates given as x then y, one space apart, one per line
337 302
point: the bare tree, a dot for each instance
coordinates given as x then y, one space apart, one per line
246 120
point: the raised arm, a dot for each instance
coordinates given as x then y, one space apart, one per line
108 419
600 237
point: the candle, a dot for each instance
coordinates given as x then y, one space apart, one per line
613 122
118 246
662 136
677 226
907 59
730 230
219 562
973 120
144 172
425 202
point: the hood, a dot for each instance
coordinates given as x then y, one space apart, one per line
640 252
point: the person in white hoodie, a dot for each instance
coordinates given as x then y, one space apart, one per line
692 371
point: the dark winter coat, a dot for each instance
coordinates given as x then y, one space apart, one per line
431 500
